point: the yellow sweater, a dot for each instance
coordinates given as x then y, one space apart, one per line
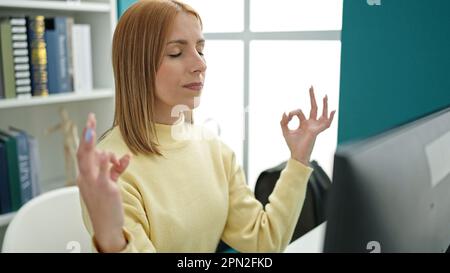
196 194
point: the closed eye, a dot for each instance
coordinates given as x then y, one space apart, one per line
175 55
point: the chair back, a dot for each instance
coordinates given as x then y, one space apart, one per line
50 222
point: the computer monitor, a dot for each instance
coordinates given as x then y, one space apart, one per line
391 193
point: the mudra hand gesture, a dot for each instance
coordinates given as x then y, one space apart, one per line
301 140
97 181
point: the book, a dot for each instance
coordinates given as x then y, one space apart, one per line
13 169
38 55
5 199
21 56
6 52
23 160
2 90
69 27
82 58
35 166
58 54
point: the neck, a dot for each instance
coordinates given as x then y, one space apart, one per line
163 115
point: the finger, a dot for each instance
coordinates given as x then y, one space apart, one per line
325 108
114 174
313 113
113 159
90 136
301 116
104 167
85 157
298 113
123 163
92 121
83 142
116 171
86 149
331 117
284 122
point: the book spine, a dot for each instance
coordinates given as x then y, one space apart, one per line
56 38
21 56
70 70
23 157
2 89
13 172
35 166
7 58
38 55
82 58
5 198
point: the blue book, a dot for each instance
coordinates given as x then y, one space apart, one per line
23 160
13 169
5 198
58 55
35 165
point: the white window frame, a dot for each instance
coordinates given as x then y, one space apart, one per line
246 36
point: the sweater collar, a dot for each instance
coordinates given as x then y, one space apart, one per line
173 135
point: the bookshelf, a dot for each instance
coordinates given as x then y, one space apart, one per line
57 5
39 113
56 98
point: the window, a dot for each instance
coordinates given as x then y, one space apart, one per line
221 104
262 57
295 15
220 15
281 73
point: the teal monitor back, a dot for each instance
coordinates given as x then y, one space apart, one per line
395 64
123 5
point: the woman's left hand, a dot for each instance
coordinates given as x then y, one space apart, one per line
301 140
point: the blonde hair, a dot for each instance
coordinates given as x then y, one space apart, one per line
137 52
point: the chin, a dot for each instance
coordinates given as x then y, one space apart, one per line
193 103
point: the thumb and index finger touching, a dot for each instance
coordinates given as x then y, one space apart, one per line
86 152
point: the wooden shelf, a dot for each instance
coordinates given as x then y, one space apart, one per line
56 98
6 218
56 5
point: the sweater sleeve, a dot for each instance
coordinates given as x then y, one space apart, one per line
136 226
252 228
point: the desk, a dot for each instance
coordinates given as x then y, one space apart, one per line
311 242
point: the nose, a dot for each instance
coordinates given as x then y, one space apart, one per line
198 64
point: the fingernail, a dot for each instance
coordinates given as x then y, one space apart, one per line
88 135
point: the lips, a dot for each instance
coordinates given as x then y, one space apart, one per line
197 86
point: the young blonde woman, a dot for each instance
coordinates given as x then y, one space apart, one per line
152 184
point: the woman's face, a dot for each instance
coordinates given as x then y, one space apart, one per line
180 78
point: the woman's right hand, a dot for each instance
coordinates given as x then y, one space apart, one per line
97 181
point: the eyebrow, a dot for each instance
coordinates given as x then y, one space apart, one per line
185 42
